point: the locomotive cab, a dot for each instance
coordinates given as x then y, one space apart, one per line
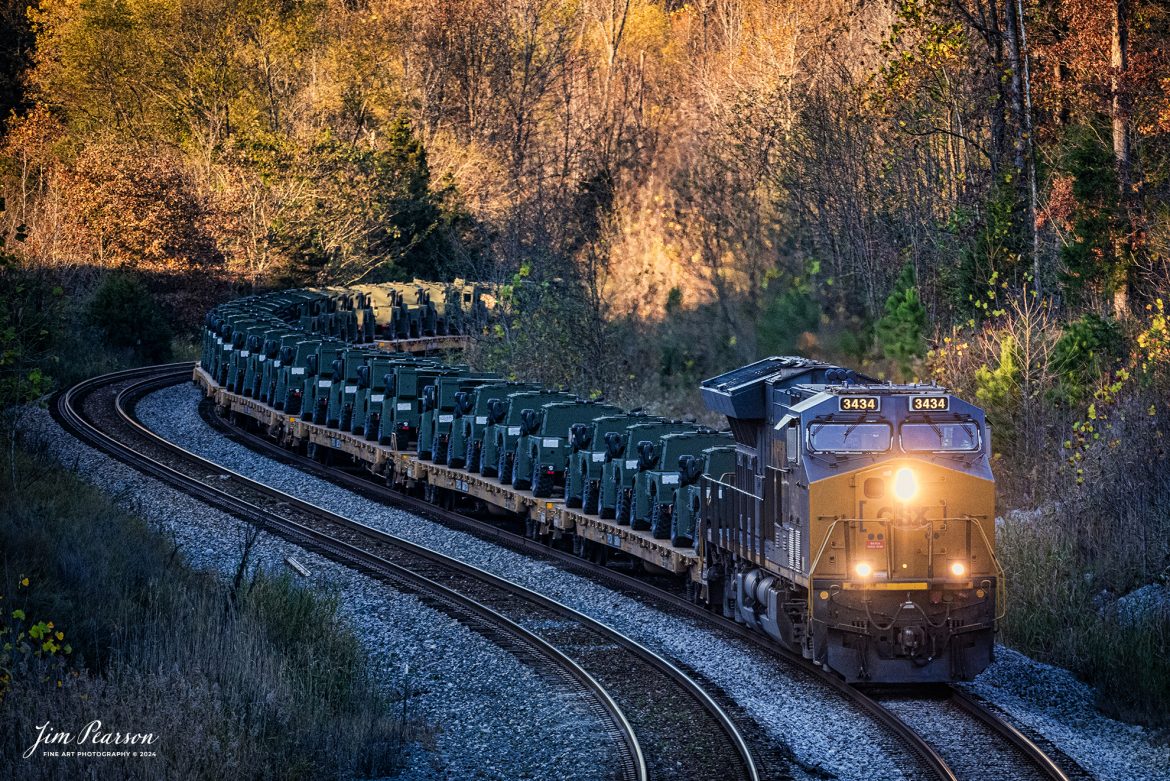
858 526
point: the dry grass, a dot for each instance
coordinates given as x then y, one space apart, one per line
270 683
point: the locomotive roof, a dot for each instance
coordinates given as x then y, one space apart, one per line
740 393
862 389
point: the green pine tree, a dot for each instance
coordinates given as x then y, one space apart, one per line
901 332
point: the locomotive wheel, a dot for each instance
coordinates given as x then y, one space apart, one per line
590 496
542 482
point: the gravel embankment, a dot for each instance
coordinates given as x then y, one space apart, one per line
821 731
493 717
1050 701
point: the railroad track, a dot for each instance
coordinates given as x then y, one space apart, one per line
988 748
659 717
915 726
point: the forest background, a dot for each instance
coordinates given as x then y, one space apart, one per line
967 191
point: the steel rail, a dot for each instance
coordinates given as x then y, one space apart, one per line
915 743
660 663
634 760
1022 742
175 373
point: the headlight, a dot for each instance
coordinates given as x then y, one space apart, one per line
863 570
958 569
905 484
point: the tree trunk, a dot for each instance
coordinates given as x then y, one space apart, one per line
1118 66
1030 144
1015 91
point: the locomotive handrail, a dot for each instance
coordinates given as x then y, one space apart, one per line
735 488
970 520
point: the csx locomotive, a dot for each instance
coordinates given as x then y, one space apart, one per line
851 520
858 523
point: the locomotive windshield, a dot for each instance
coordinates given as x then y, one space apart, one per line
940 436
849 437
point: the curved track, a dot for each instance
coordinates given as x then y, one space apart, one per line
939 755
960 750
630 685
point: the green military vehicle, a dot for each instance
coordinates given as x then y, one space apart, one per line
657 478
235 336
286 349
319 379
621 465
343 392
499 440
371 390
438 412
402 407
716 462
542 451
587 441
473 415
260 349
294 368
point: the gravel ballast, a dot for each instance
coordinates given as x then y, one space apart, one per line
1050 701
824 732
821 730
489 715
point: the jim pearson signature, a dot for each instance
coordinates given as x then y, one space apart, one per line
91 735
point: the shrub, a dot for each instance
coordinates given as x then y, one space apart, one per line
901 332
127 316
1088 347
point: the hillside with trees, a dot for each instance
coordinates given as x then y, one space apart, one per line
968 191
